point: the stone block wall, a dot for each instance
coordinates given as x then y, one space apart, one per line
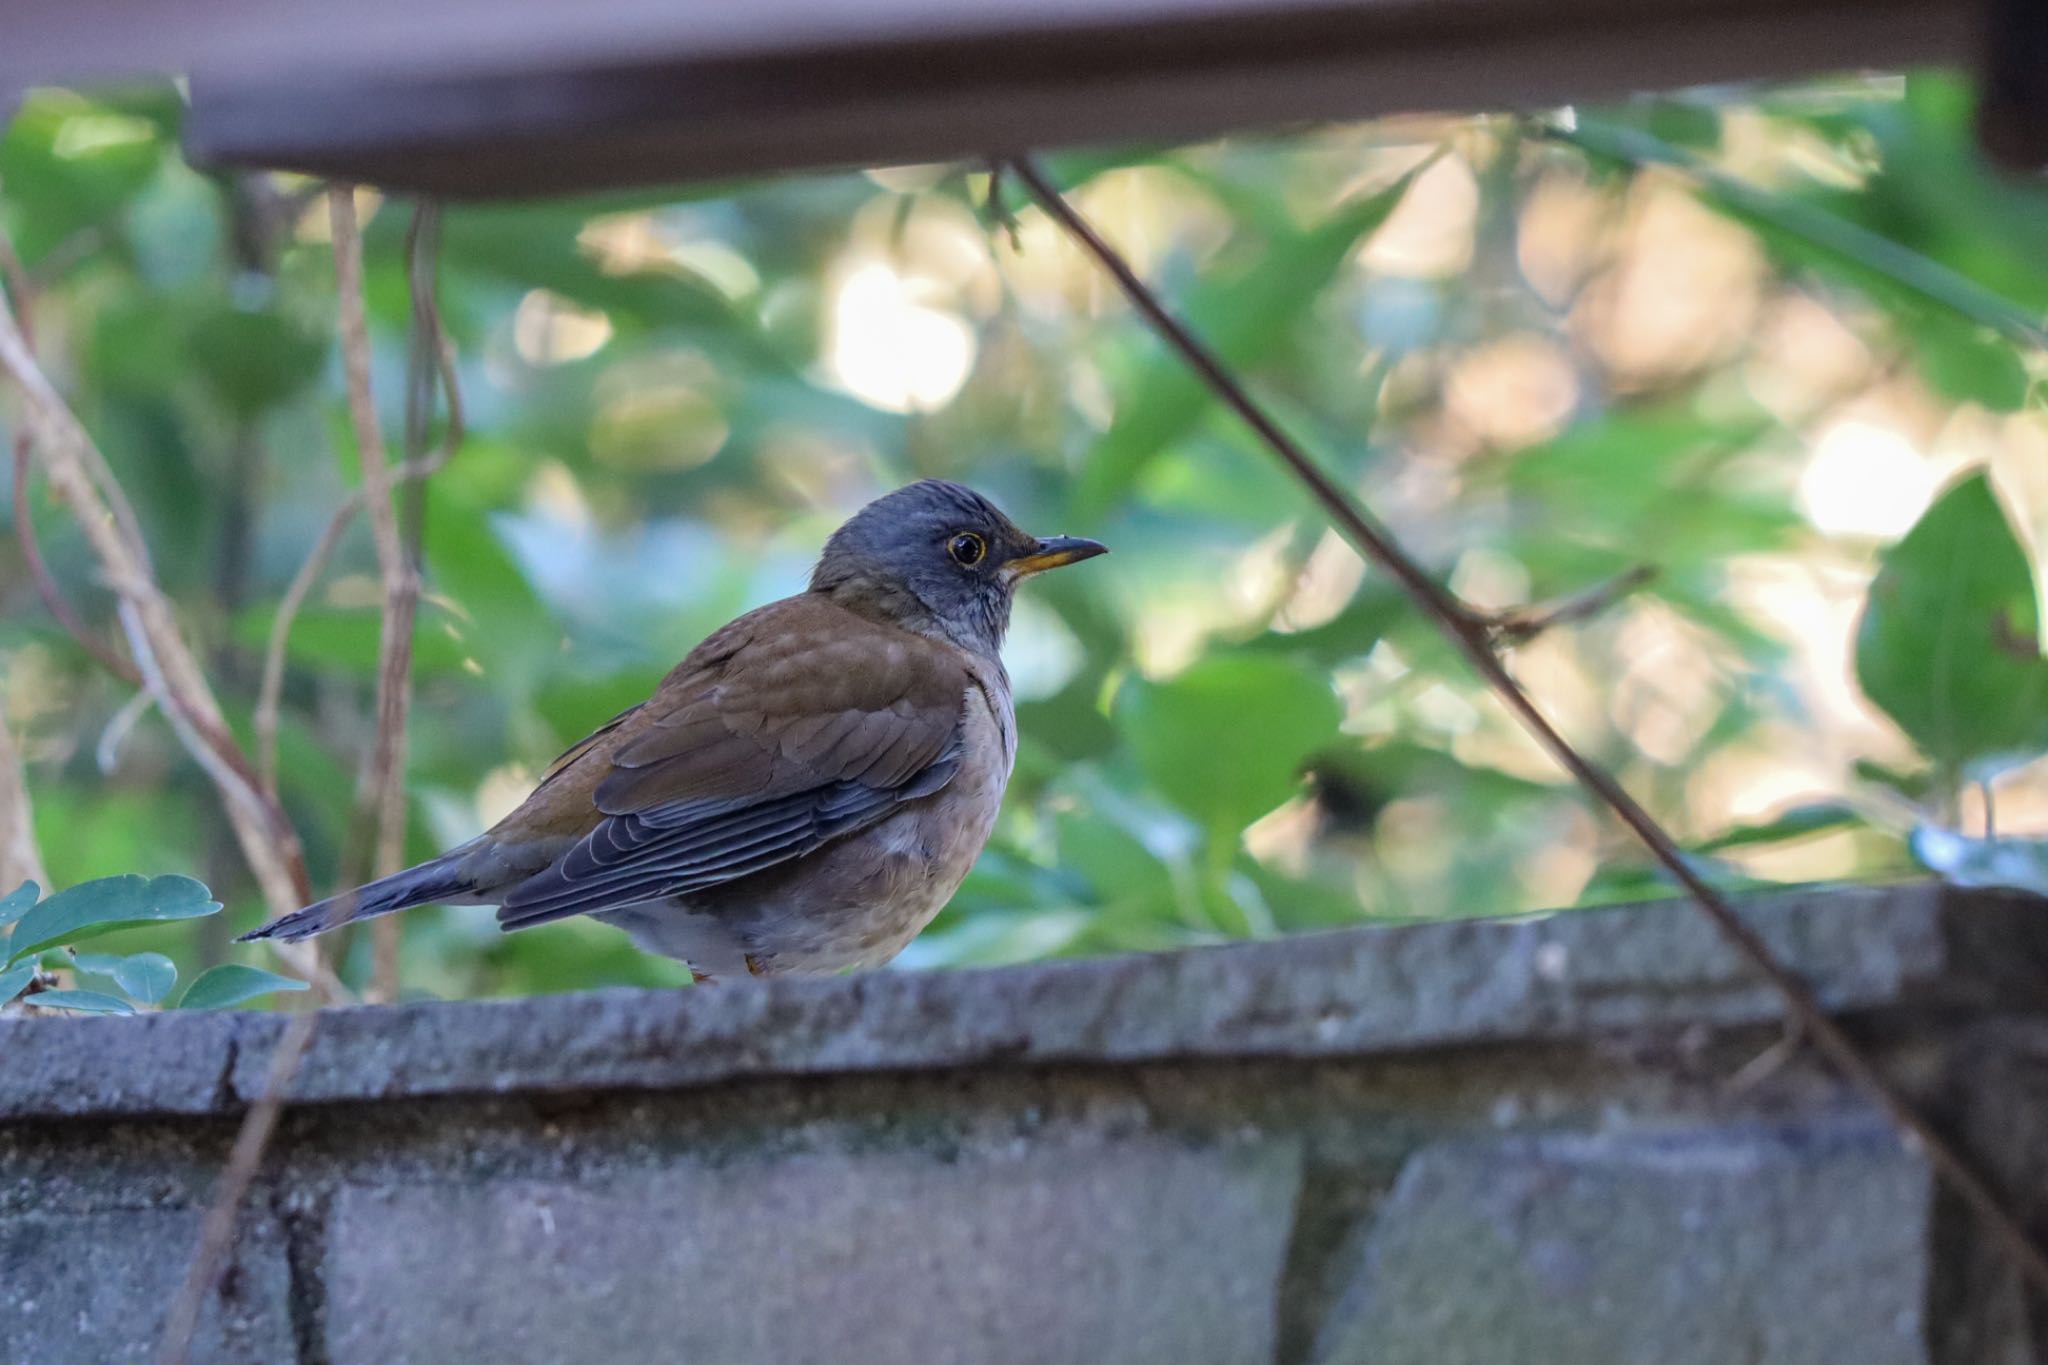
1548 1142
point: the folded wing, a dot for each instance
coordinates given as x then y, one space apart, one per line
797 725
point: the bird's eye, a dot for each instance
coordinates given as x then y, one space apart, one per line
967 549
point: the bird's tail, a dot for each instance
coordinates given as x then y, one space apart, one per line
432 881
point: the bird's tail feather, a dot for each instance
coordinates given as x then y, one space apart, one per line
422 885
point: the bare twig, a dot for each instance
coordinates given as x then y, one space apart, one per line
53 597
237 786
107 753
270 695
25 284
19 860
62 446
14 275
382 785
1519 625
996 212
1473 639
80 477
270 698
217 1232
424 366
22 286
355 353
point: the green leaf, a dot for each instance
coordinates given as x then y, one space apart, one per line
18 902
1798 822
85 1002
1612 472
468 562
334 638
537 245
1969 362
1069 723
136 344
1227 740
147 977
254 360
1685 123
231 983
998 938
1350 634
1914 786
1949 643
1115 863
14 980
1621 883
101 907
1239 316
70 163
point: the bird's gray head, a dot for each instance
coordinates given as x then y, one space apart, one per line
941 559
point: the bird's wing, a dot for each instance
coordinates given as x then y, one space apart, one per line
595 739
798 724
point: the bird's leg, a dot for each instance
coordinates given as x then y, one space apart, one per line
754 967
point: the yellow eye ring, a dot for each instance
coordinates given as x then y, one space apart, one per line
967 549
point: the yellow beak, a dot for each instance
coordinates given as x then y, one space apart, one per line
1055 553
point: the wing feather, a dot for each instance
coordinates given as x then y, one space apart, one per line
816 724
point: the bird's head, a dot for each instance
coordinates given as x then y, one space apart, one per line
939 558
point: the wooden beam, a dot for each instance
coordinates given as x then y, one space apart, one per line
516 97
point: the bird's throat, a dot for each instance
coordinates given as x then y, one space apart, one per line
977 623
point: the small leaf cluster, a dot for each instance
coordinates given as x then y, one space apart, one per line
41 934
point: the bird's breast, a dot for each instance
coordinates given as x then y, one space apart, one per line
921 854
988 752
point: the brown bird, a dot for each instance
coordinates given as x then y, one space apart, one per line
805 791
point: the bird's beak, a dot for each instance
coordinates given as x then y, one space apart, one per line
1055 553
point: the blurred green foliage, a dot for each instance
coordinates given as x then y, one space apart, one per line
1545 351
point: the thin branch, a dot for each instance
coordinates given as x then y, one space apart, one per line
422 365
235 784
22 285
383 778
1519 625
25 284
104 487
217 1232
19 860
270 695
63 448
14 275
1473 640
270 698
53 597
355 353
79 475
107 753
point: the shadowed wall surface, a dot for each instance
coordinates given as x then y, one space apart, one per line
1470 1142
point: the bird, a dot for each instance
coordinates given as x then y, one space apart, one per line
805 791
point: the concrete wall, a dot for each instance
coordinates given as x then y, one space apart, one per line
1476 1143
